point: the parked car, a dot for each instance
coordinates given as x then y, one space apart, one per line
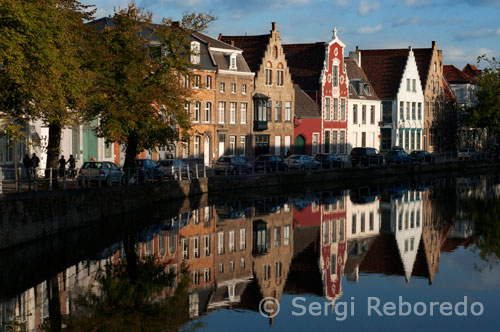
397 148
397 157
301 162
330 160
170 168
468 154
366 157
147 170
232 165
104 171
421 156
270 163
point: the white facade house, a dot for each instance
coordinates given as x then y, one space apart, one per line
364 108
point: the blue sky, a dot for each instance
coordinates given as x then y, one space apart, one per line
463 29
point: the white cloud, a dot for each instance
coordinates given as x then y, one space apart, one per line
461 56
416 3
406 21
366 7
475 34
341 3
368 30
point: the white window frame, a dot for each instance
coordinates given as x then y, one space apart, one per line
233 88
208 82
197 112
243 239
232 144
220 243
244 89
232 64
243 113
208 112
195 52
315 143
288 111
327 109
222 112
222 87
232 112
231 240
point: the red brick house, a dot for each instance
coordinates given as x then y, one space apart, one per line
318 68
307 121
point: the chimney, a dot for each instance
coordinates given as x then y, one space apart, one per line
434 44
273 24
220 36
232 42
357 48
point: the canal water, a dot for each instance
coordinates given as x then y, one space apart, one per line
412 256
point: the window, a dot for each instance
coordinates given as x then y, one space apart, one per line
232 145
221 267
206 275
414 85
413 110
280 75
267 272
196 147
231 238
277 272
108 148
354 224
288 111
401 137
231 288
372 114
242 145
372 219
222 111
341 230
196 247
185 81
196 277
420 111
418 139
197 81
342 109
327 110
269 74
362 226
195 52
197 112
187 108
243 239
286 235
244 89
363 114
207 245
232 113
220 243
333 266
355 114
334 231
278 111
208 82
327 141
277 236
185 248
269 111
242 263
335 73
260 110
243 113
401 110
363 139
233 87
342 142
408 84
334 141
222 87
233 61
407 140
335 109
326 232
208 112
408 110
315 141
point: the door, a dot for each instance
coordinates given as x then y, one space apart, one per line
277 145
89 142
299 145
206 150
222 138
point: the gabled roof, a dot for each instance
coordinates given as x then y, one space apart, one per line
305 107
305 62
214 42
253 47
455 75
356 73
448 93
472 71
384 69
423 57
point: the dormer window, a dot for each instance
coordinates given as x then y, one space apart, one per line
195 52
367 90
233 62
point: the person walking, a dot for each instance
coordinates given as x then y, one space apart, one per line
72 166
35 162
62 166
27 165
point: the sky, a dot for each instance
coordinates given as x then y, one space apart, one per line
463 29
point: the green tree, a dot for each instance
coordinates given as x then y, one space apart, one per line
486 113
139 97
42 64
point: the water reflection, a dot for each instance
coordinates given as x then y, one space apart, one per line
238 252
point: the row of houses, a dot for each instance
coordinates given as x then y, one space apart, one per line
254 95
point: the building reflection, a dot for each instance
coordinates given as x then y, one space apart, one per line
240 252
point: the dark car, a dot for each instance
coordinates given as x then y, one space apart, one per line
397 157
330 160
232 165
270 163
147 170
421 156
171 168
366 157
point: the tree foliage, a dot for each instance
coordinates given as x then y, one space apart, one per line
486 113
138 96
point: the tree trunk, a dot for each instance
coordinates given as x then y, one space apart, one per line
131 153
53 149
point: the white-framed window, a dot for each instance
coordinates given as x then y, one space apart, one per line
220 243
419 111
288 111
326 146
185 81
402 110
222 112
222 87
342 142
185 248
233 88
232 113
242 263
196 247
408 110
231 238
267 271
414 110
408 82
221 267
355 114
243 113
335 112
372 114
243 239
232 145
196 147
277 145
335 74
288 140
414 85
363 114
195 52
197 81
342 109
197 112
242 145
187 107
206 275
281 75
286 235
277 113
315 143
208 112
196 277
207 246
233 62
327 109
208 82
269 74
244 89
277 270
334 141
231 287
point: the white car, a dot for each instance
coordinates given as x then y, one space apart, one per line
301 162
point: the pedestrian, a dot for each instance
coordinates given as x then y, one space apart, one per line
27 165
62 166
35 162
72 166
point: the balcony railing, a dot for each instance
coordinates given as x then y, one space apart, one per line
259 125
